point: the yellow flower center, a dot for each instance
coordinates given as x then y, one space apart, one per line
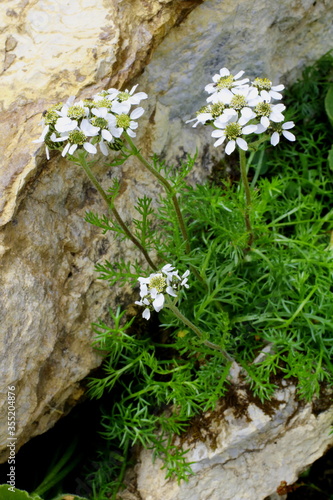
217 109
262 84
99 122
158 282
123 121
238 102
263 109
76 112
232 131
225 82
123 96
77 137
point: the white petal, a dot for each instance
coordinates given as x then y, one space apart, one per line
54 138
90 148
265 95
65 124
239 74
242 144
247 112
136 113
276 117
241 83
288 135
203 117
218 133
278 87
100 112
224 72
135 99
219 141
223 95
288 125
264 121
133 89
158 302
65 150
275 139
249 129
116 132
72 149
106 135
171 291
167 268
88 129
259 130
279 108
210 88
120 107
230 147
131 133
146 313
143 290
103 147
133 125
276 95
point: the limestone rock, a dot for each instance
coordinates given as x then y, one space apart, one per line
264 38
245 452
52 51
49 292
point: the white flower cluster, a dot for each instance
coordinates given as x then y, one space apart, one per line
153 288
237 108
91 122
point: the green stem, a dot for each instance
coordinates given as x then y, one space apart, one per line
111 207
167 187
196 330
242 161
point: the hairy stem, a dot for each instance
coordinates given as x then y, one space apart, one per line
242 161
196 330
167 187
114 211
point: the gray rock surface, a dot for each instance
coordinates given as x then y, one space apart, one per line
245 451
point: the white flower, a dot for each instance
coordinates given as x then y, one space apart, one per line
69 115
208 113
268 112
154 288
225 80
128 96
266 90
103 122
65 124
122 121
282 129
232 131
236 98
78 137
184 279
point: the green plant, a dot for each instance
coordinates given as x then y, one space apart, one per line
16 494
256 259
